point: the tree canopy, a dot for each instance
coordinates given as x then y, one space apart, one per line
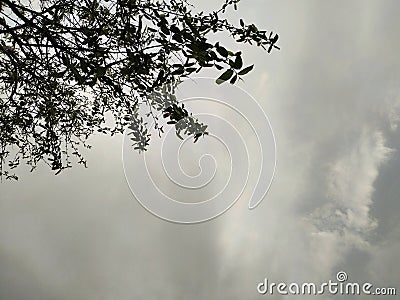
65 64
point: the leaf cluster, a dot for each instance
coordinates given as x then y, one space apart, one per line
65 64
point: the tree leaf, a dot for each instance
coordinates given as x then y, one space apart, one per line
233 79
222 51
238 62
246 70
225 76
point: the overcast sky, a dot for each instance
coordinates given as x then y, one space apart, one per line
332 95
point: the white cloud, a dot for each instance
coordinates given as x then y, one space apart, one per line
350 187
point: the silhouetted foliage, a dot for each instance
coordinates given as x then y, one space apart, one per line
64 64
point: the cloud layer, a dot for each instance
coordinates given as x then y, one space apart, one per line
331 94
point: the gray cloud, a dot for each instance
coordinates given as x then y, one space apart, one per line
332 96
